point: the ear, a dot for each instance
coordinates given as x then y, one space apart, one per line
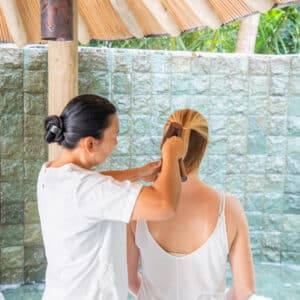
89 144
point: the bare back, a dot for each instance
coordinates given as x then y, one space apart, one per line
192 226
194 222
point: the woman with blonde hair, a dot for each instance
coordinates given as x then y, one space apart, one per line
185 256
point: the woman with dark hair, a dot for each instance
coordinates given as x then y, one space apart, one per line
185 257
83 213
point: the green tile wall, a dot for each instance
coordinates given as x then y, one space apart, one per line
252 104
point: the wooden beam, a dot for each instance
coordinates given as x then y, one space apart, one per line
62 74
83 32
205 13
14 22
128 18
163 18
260 5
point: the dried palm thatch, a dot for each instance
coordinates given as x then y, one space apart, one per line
124 19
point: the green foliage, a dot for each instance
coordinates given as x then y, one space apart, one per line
220 40
278 33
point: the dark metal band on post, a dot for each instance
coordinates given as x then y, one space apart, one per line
57 20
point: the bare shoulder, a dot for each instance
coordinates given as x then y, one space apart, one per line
235 216
233 205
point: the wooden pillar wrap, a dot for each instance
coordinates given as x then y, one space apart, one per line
56 20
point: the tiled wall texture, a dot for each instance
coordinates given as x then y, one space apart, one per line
253 107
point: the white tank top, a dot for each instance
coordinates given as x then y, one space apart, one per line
200 275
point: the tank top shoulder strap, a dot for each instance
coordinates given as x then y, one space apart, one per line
223 227
222 203
140 231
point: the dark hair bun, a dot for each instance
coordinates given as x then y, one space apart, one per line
54 129
85 115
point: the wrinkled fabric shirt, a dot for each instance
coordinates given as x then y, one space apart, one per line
83 216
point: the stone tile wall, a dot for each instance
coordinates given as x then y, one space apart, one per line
23 90
253 107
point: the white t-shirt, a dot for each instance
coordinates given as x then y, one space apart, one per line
83 216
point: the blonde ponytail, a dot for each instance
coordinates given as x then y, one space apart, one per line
194 134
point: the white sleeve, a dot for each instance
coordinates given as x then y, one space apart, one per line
101 197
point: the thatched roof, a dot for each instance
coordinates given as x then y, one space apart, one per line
124 19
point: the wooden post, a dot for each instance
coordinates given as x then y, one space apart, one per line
62 75
247 35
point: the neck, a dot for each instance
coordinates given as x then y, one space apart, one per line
73 156
193 175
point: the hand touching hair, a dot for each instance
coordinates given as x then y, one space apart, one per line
194 134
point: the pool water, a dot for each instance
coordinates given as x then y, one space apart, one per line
276 282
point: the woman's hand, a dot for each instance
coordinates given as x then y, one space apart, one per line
174 146
149 172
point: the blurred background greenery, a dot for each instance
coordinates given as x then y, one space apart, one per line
278 33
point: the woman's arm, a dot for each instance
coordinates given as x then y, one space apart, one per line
147 172
133 256
159 201
240 257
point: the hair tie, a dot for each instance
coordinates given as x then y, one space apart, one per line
55 130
